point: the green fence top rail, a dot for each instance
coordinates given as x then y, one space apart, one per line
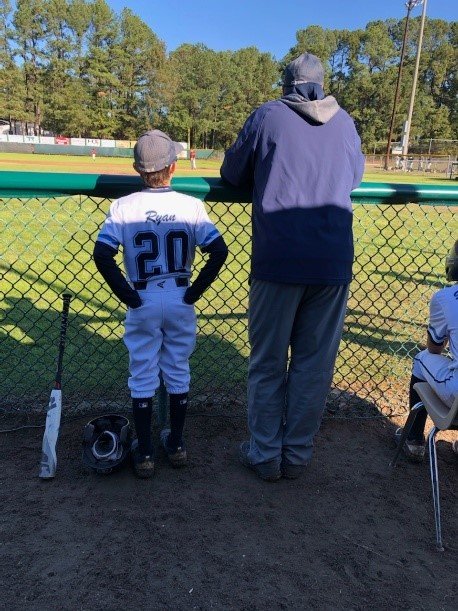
42 184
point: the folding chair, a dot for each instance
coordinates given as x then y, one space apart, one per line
444 418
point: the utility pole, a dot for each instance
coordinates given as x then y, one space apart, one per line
410 4
405 146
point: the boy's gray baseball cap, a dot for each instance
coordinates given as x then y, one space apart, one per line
306 68
154 151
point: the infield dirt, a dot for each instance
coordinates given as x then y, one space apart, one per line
352 534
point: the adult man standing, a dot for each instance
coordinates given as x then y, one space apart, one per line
302 156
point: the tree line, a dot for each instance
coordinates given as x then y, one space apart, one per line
76 67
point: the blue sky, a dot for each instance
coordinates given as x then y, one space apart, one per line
270 25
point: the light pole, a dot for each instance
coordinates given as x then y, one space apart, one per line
405 145
410 4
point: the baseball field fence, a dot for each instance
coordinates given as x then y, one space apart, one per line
49 223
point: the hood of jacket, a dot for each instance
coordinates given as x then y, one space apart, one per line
320 111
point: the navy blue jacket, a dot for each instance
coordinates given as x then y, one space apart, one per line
302 167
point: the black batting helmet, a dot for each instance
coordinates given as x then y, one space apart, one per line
451 263
106 443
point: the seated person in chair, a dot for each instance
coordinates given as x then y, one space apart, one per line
430 365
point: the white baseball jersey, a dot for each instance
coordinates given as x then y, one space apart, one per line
159 230
439 371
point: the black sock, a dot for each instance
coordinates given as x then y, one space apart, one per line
178 407
418 426
142 410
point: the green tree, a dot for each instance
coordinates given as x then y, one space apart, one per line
100 71
249 78
378 49
194 89
78 22
29 36
60 104
139 64
12 91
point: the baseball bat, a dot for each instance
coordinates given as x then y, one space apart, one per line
48 463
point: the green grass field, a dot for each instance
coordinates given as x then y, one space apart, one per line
46 249
205 167
27 162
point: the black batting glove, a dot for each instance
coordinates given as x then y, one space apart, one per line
134 302
190 297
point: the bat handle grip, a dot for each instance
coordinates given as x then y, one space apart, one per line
65 309
63 331
66 298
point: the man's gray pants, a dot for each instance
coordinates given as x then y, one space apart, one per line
286 401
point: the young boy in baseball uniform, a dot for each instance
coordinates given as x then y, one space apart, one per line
431 365
159 230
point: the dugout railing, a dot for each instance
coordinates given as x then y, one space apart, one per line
49 223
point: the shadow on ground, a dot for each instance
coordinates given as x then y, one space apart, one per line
95 367
352 534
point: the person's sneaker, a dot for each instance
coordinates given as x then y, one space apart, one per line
177 456
413 450
290 471
143 465
268 471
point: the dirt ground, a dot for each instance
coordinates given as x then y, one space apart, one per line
352 534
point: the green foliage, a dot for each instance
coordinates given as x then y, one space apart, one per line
211 94
140 59
377 46
78 68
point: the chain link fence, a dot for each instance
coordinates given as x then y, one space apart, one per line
46 247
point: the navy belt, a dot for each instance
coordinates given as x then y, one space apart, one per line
142 285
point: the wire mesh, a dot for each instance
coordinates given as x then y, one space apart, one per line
46 250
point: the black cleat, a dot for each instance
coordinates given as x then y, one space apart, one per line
143 465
